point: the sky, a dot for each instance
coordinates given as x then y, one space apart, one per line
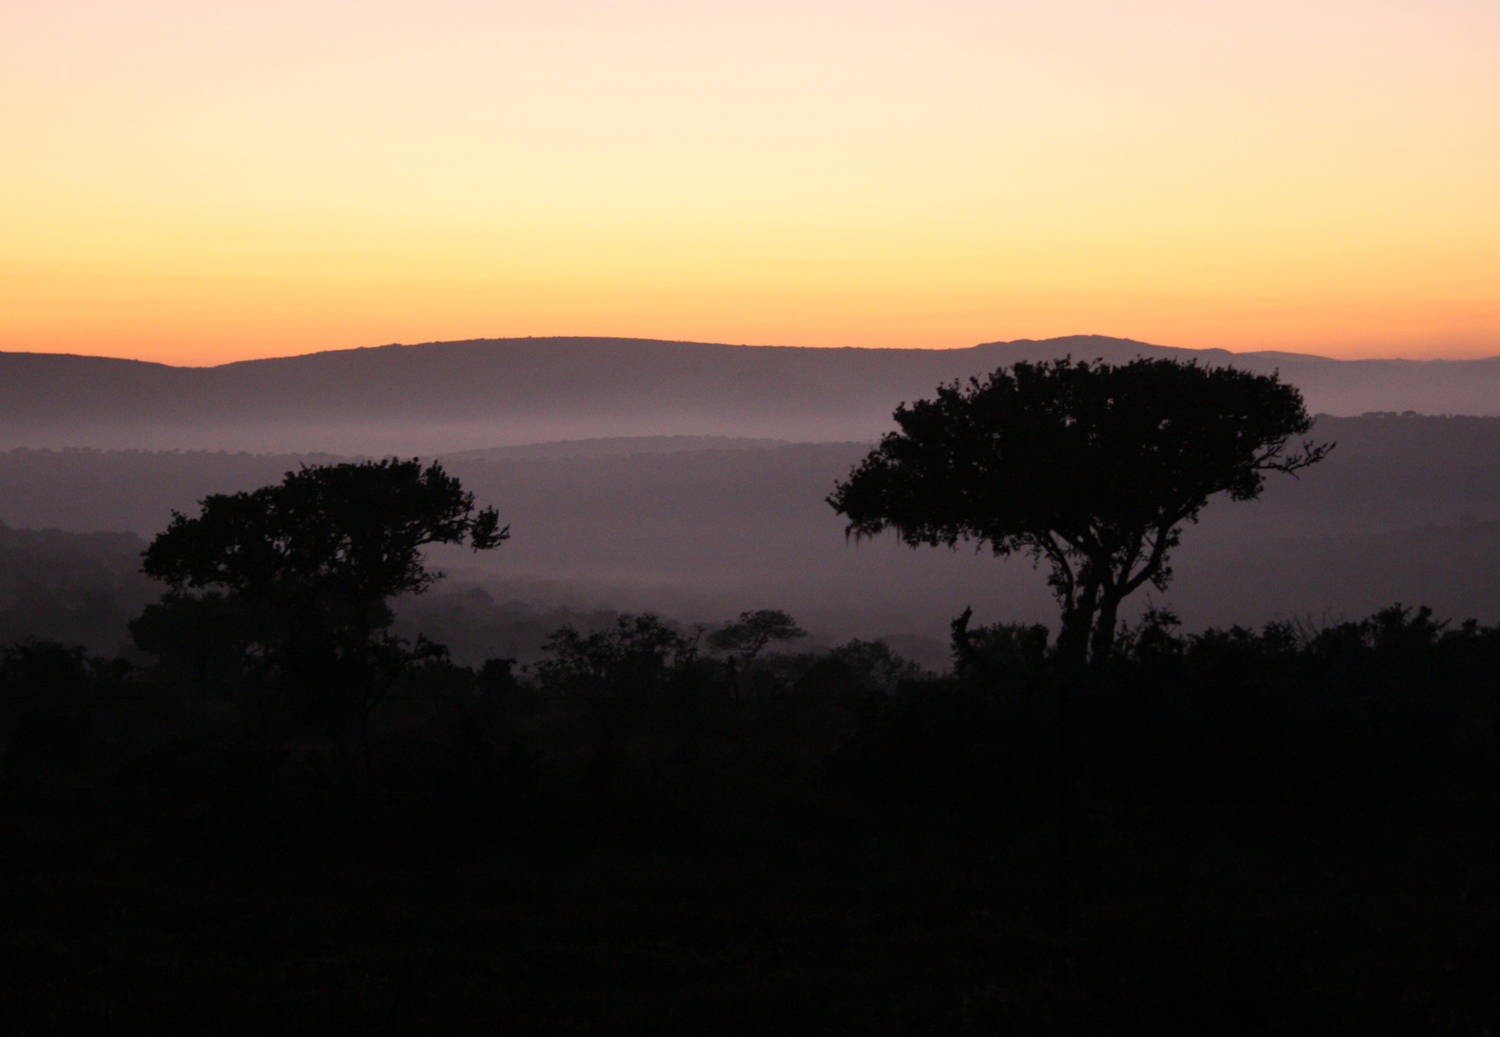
195 183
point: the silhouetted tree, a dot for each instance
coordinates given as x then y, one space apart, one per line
748 636
1091 466
301 572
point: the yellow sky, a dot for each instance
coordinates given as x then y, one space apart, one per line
198 183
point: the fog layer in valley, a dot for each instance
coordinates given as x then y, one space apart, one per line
699 528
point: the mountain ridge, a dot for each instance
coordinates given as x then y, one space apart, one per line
1111 340
481 393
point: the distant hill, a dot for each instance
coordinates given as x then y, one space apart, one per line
452 396
620 446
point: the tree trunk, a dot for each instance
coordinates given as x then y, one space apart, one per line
1077 625
1103 634
1073 639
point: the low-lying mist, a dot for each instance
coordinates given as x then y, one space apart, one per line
701 528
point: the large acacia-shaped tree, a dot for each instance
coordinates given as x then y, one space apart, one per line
294 578
1091 467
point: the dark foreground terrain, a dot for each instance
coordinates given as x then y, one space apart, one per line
718 918
1241 832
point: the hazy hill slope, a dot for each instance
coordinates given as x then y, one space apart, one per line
1387 472
79 588
82 489
618 446
456 395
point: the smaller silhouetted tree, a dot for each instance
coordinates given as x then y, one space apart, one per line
753 631
296 578
745 638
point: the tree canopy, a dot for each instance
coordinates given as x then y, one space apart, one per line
298 574
748 636
356 528
1092 467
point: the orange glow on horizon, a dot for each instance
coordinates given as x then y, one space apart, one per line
197 185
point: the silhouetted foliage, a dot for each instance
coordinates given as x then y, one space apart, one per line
999 655
746 637
210 640
291 582
497 679
1093 468
858 668
641 657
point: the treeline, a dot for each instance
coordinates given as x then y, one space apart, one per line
1397 706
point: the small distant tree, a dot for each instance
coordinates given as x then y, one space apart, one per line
296 578
1092 467
748 636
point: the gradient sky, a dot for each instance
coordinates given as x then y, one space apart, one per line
197 182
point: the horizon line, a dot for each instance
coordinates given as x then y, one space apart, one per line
1291 354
